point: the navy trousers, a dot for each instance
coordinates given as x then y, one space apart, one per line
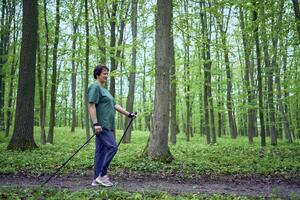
106 148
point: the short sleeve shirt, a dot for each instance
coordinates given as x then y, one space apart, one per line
104 103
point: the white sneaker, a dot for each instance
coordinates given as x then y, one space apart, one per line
104 180
95 183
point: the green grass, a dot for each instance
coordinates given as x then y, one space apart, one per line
191 158
51 194
195 157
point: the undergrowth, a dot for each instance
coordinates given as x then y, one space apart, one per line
227 156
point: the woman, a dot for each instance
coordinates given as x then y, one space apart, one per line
102 110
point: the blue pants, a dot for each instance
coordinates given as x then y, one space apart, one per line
106 148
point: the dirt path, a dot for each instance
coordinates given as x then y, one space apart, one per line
252 186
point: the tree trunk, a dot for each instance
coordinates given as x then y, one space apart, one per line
75 23
186 41
6 19
100 31
130 97
284 120
41 95
229 102
173 94
113 66
220 98
86 80
54 77
247 51
286 92
208 106
297 15
269 72
146 109
259 78
12 73
44 105
22 138
158 143
73 80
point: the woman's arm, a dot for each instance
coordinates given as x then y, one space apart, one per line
121 110
92 111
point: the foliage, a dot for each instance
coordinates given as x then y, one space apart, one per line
191 158
16 193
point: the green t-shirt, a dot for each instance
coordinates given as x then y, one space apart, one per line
105 103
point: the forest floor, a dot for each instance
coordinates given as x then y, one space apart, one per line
241 185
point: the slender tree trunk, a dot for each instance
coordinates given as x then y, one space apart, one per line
186 38
208 103
54 77
73 80
158 143
130 97
220 99
22 138
145 107
247 51
121 116
6 19
98 15
259 78
74 68
12 73
44 105
269 72
229 102
41 95
286 92
284 119
297 15
113 67
86 80
173 94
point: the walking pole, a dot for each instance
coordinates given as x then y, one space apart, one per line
66 162
79 150
126 129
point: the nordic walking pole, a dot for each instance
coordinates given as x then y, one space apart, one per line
79 150
126 129
66 161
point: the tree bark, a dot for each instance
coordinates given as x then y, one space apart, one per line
130 97
22 138
209 126
269 72
87 51
9 113
43 106
250 99
173 94
75 23
98 15
284 119
187 87
113 66
6 19
158 143
297 15
259 77
41 95
53 91
229 102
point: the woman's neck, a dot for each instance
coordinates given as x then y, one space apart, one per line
98 82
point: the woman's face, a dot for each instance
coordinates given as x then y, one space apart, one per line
103 76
